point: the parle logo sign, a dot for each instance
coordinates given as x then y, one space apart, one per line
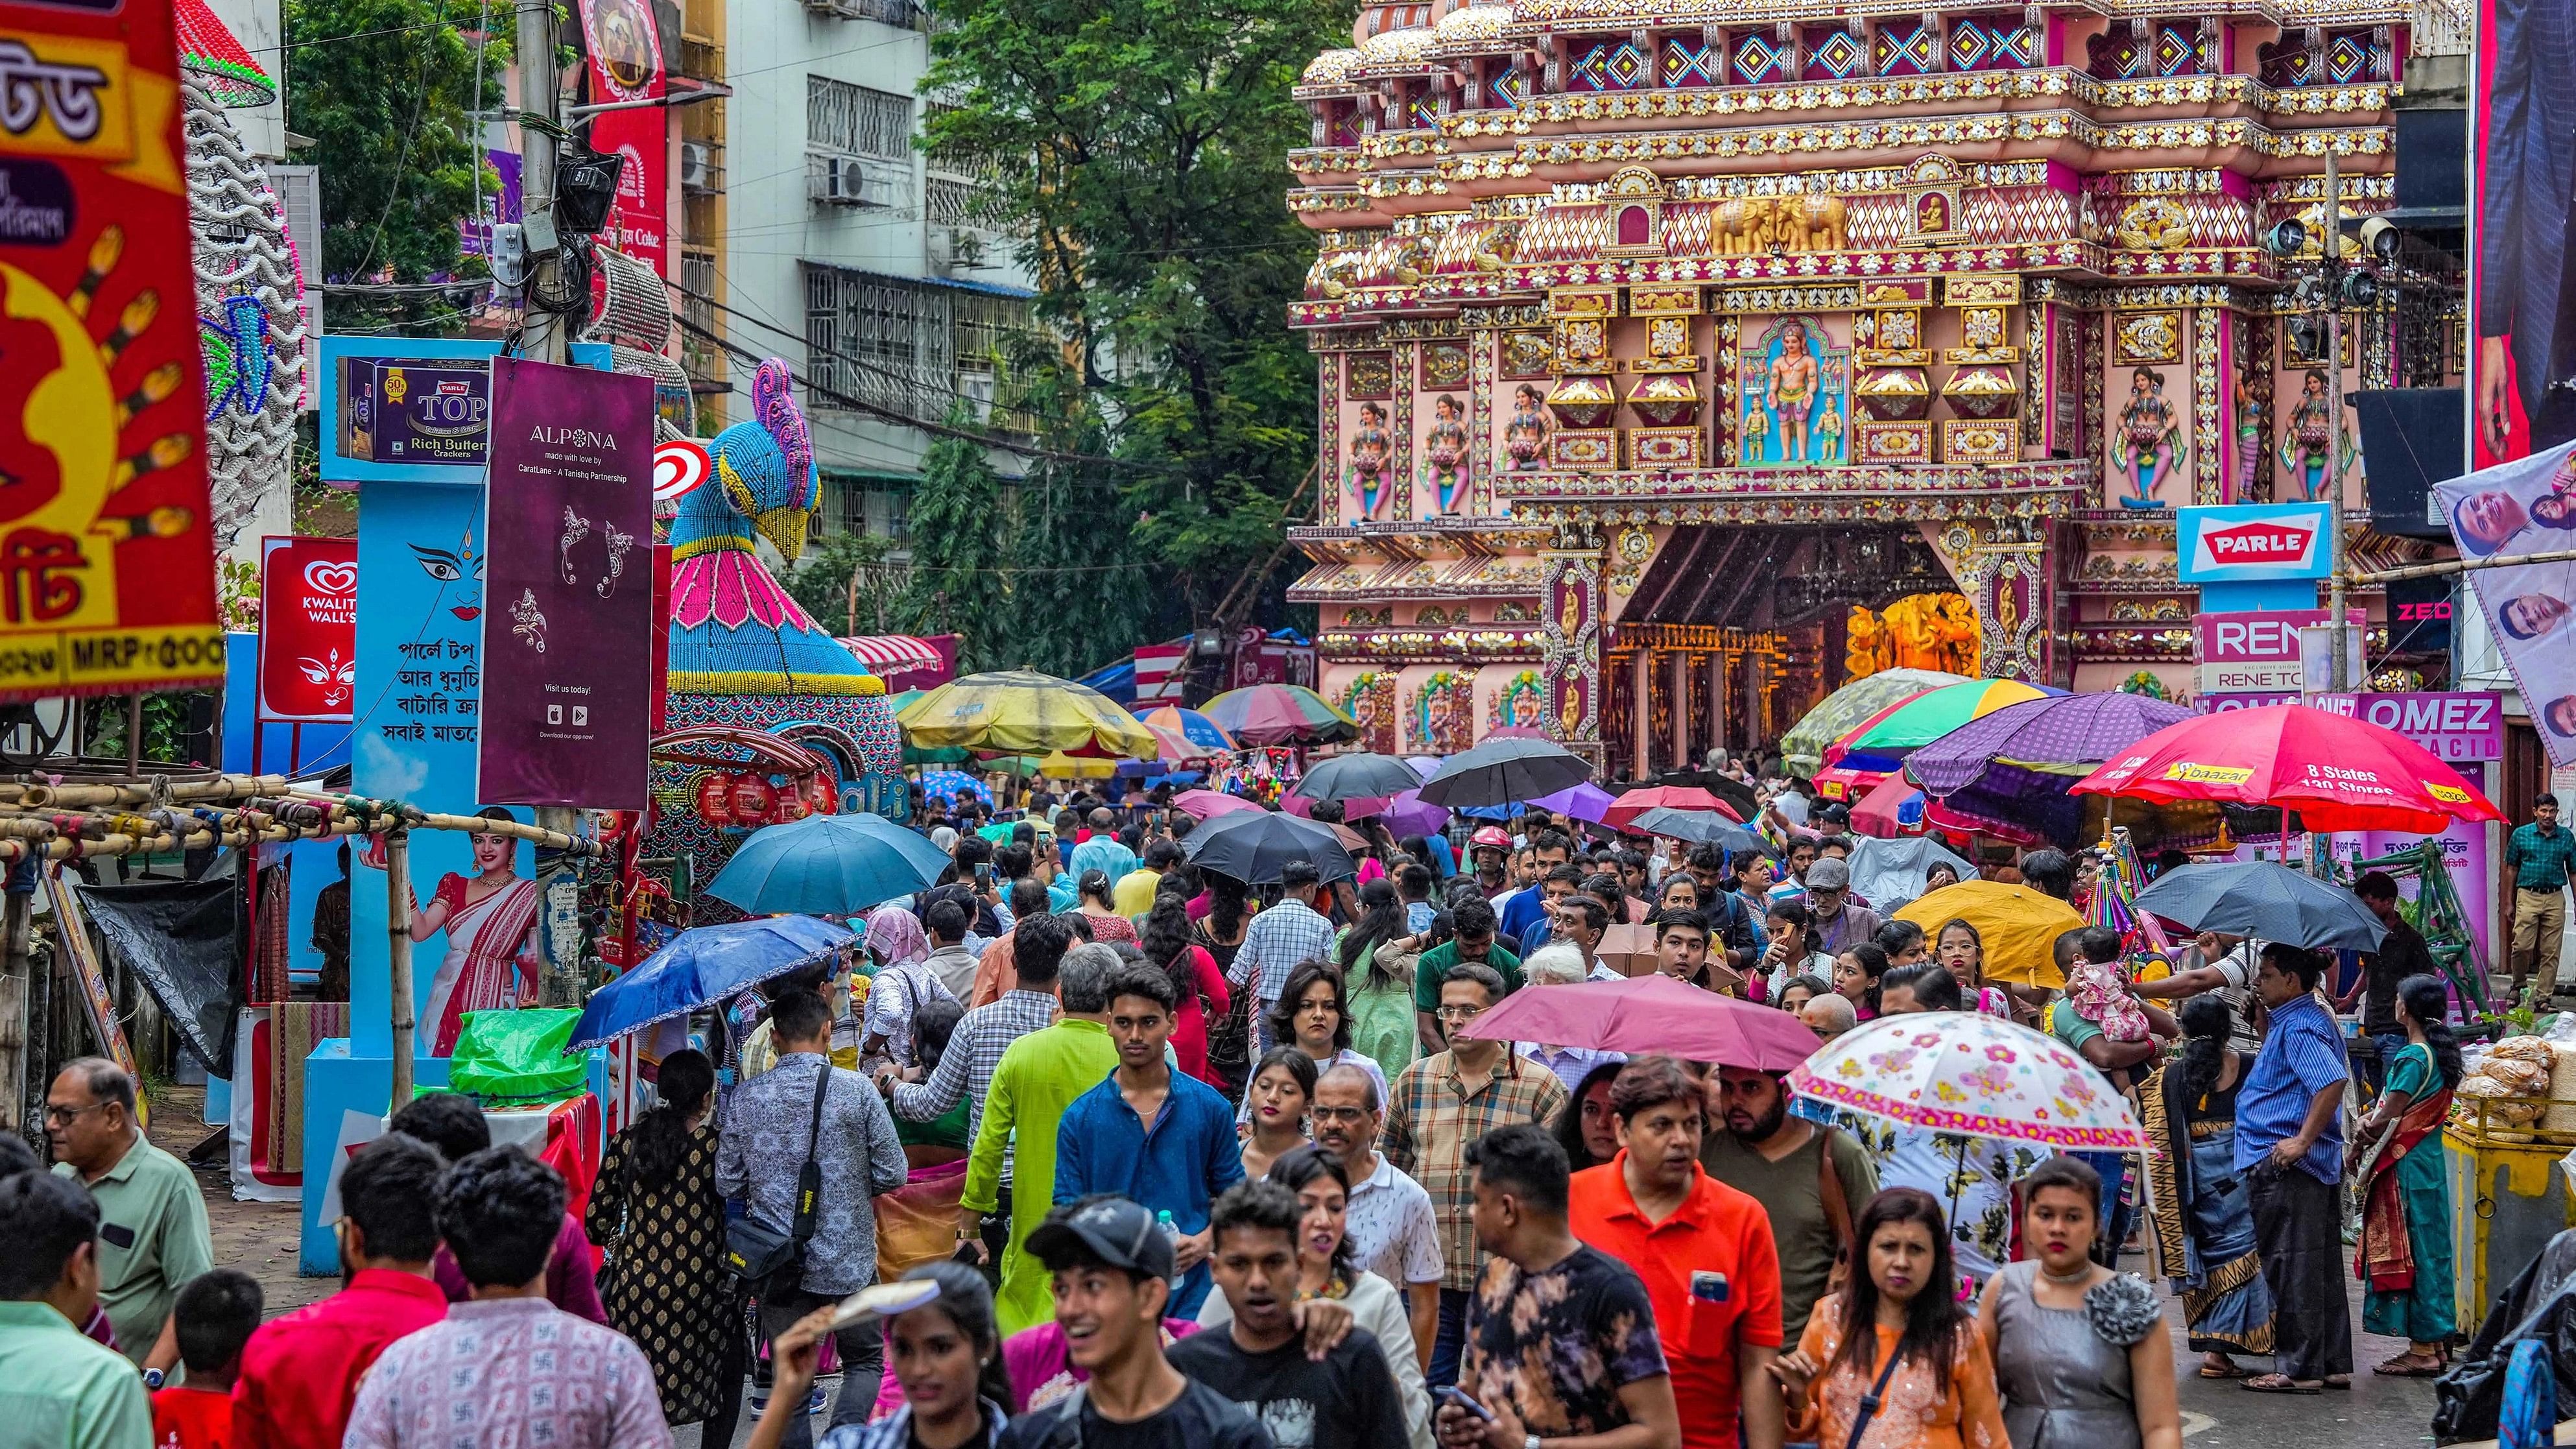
2263 543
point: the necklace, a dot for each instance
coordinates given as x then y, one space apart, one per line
2078 1276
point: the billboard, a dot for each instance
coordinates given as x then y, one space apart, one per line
2514 509
2251 542
107 581
623 48
308 629
2524 353
568 634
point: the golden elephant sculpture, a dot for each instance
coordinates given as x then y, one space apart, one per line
1811 223
1745 225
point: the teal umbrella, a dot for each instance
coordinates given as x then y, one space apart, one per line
827 865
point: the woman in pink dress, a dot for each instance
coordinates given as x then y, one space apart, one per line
490 919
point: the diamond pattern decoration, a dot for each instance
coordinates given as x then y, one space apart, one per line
1992 43
1688 64
1969 45
1422 112
1509 89
1757 60
2347 58
1835 55
1910 52
1610 66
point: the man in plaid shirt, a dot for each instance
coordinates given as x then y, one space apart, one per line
1442 1103
1279 939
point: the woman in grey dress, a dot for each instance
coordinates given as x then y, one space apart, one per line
2081 1352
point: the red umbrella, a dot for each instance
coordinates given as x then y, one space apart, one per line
1669 797
2338 773
1651 1013
1207 804
1881 811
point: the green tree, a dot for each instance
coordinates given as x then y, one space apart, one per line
955 585
821 582
1153 215
1080 597
384 88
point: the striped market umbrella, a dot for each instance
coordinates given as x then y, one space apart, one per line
1802 748
1189 724
1882 741
1279 714
1022 712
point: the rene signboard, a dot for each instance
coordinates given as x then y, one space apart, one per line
2253 542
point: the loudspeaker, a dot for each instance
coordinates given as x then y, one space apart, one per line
2411 439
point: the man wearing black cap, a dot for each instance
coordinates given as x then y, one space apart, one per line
1111 1268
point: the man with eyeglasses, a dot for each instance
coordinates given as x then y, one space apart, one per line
1388 1221
152 1236
1444 1102
1839 922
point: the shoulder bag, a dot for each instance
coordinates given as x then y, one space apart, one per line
759 1254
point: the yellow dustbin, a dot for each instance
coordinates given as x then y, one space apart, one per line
2508 1199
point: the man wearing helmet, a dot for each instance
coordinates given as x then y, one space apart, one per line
1488 848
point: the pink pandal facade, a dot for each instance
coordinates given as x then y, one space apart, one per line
1598 279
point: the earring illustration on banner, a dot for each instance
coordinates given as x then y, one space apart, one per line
575 529
619 541
526 622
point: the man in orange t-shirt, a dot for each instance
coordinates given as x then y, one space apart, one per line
1704 1250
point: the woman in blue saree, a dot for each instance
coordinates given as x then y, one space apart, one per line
2204 1222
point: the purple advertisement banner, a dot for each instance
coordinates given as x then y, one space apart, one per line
2456 725
568 584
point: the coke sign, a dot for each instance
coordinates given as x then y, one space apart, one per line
308 629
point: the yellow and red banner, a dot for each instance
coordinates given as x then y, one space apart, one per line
107 579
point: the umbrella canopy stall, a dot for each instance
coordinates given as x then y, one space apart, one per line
2019 925
1021 712
2011 773
1881 742
828 865
1190 724
1802 749
704 966
1649 1013
1279 714
2266 900
1975 1075
1894 806
2339 773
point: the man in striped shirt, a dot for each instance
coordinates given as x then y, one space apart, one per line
1281 937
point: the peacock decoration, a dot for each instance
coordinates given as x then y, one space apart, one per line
746 656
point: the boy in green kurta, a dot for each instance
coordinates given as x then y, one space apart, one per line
1038 1078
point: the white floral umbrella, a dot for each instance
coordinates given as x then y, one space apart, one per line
1972 1074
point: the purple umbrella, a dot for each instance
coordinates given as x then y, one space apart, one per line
1407 815
1586 802
2016 763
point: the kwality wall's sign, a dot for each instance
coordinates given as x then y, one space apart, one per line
2456 725
2249 542
308 628
2256 652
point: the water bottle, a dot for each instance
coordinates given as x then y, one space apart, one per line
1172 1235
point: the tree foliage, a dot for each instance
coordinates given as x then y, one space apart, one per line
1153 215
385 89
957 527
821 582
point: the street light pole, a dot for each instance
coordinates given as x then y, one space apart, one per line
2331 251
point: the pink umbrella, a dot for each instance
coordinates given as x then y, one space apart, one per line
1514 732
1208 804
1653 1013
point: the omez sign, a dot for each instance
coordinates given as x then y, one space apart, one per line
2249 542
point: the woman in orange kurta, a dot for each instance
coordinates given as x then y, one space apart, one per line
1940 1393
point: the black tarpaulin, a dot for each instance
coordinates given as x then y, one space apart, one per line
177 937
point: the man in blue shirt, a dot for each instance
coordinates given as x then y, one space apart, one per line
1151 1134
1549 849
2289 1148
2540 855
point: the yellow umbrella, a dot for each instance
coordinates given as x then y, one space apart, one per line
1070 767
1021 712
2019 925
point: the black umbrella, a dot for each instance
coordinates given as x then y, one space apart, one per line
1362 776
1252 846
1504 772
1699 827
2260 898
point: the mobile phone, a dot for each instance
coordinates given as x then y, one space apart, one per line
1709 1287
1452 1394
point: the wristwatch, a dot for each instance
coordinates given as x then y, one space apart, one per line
1530 1443
153 1379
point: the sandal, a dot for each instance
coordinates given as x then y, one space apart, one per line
2339 1381
2234 1370
2277 1384
2411 1365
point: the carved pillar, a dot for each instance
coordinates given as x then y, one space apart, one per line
1681 710
1717 699
2009 584
1570 639
1757 730
1641 714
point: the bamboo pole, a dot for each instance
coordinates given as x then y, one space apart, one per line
398 946
18 1026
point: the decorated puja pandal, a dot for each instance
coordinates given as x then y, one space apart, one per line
1680 358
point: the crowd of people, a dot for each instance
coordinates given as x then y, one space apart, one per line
1234 1174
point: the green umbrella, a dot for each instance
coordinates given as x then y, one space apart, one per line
1802 749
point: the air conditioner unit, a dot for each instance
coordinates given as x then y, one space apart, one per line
956 249
851 181
697 165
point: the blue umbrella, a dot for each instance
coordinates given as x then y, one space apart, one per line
827 865
702 967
